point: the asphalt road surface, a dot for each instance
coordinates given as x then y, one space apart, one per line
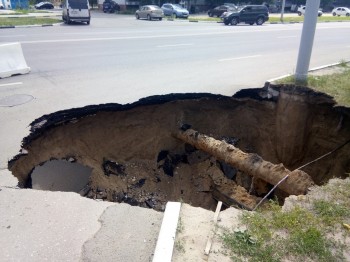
120 59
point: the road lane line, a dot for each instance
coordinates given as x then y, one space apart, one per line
12 84
176 45
238 58
230 32
287 36
108 32
3 36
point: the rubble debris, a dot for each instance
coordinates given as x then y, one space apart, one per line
168 161
113 168
231 200
140 183
229 171
85 190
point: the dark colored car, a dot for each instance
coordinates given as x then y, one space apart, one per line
44 5
248 14
219 10
110 6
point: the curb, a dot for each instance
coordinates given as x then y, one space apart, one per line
28 26
310 70
165 243
271 23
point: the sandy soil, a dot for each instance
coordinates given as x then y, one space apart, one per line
196 227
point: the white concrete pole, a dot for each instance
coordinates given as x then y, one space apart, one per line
307 39
282 9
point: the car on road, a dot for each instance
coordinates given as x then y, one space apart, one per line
110 6
219 10
248 14
301 11
44 5
149 12
341 11
175 10
76 11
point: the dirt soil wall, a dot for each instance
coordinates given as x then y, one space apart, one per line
135 159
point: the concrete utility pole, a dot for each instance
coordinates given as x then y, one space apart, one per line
282 9
307 39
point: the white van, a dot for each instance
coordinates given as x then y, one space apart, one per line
76 10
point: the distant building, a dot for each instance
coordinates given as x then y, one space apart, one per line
15 4
6 4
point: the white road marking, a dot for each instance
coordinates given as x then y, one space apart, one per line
287 36
12 84
225 32
11 35
238 58
108 32
146 36
174 45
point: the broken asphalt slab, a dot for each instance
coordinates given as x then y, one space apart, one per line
53 226
127 234
43 225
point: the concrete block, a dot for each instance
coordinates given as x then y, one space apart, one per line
12 61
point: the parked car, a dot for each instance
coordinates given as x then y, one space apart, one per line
175 10
274 8
219 10
110 6
76 11
44 5
248 14
149 12
341 11
231 5
1 6
301 11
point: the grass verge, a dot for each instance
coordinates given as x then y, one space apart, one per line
335 84
314 228
286 19
300 19
6 21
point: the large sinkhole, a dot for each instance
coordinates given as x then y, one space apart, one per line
129 153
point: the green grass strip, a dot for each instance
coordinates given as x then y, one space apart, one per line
286 19
300 19
335 85
16 21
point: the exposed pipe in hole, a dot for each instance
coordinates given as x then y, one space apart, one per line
251 164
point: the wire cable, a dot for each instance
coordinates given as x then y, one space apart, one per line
309 163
